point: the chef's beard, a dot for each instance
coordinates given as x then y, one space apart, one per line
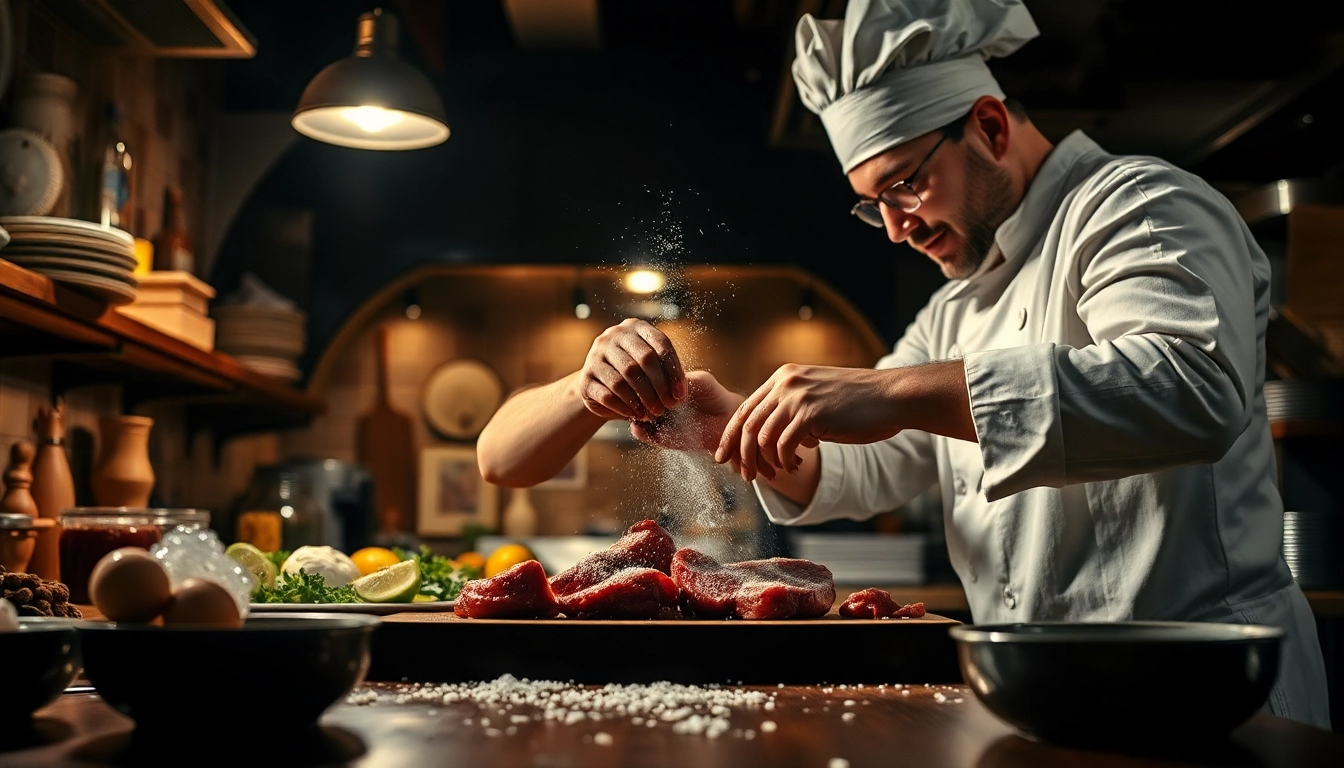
987 205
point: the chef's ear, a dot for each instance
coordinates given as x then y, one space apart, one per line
990 125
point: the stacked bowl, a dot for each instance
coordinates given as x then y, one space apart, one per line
268 340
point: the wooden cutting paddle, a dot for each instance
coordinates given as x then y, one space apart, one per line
386 446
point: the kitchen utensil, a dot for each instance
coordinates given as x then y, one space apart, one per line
40 660
206 681
30 173
53 488
386 446
688 651
1108 684
460 397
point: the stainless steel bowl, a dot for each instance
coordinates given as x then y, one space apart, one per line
1112 684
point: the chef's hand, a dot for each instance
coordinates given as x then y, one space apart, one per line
632 372
802 405
698 422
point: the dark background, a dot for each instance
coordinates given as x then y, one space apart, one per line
679 135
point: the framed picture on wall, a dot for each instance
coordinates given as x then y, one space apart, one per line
571 477
452 492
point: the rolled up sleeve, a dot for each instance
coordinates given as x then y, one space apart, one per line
1173 297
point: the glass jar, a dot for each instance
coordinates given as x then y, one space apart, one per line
279 511
88 533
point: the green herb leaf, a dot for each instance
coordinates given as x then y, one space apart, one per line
304 587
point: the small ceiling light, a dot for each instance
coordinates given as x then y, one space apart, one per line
372 99
412 300
807 307
644 281
582 309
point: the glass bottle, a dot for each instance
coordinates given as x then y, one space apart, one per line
172 248
279 512
114 186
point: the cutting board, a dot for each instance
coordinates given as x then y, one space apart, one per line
386 446
688 651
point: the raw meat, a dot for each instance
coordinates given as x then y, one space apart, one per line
634 593
874 603
778 588
871 603
644 545
521 592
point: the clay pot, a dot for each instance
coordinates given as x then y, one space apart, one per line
123 476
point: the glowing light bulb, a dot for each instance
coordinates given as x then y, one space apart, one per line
372 119
644 281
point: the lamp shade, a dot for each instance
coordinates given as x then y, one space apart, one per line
372 99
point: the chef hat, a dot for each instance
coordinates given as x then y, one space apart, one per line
892 70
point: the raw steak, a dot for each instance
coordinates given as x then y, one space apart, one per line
778 588
644 545
634 593
521 592
874 603
871 603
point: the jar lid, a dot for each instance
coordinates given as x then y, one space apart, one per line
157 515
13 521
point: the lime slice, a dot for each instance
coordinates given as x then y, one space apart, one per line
254 560
398 583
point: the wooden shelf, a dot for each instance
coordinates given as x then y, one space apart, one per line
90 343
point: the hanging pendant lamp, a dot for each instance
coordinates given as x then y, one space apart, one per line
372 99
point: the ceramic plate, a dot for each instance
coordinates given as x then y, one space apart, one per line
71 240
75 265
57 225
113 292
378 609
119 258
460 397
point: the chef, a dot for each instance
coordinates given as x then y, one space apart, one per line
1086 391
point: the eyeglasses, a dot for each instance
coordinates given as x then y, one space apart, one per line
901 195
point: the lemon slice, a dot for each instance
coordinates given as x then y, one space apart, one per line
398 583
255 561
425 599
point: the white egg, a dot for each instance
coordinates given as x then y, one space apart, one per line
334 565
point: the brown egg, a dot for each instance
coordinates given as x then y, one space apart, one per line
203 602
130 584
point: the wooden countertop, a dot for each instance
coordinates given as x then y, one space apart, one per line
888 728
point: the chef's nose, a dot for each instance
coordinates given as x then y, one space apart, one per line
899 224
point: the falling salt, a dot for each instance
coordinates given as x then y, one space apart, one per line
848 717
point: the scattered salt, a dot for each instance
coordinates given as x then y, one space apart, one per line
768 726
602 739
838 762
848 717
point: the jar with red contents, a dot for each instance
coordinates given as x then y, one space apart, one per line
88 533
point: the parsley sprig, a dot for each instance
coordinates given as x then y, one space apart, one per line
440 577
304 587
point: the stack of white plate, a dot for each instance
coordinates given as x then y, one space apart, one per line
867 559
1311 545
268 340
1304 400
92 259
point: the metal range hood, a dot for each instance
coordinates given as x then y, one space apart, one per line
164 28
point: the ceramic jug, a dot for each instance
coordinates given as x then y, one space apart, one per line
53 488
123 476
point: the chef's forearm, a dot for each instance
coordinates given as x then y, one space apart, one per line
799 487
534 434
933 398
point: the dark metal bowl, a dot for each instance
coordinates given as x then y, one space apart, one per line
1114 684
39 661
275 672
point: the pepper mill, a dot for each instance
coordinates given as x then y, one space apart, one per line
18 499
17 542
53 489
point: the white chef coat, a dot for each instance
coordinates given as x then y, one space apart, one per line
1115 361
